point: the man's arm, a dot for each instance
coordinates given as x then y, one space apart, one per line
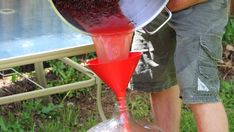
177 5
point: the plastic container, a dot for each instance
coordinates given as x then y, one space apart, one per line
110 23
123 123
115 125
138 12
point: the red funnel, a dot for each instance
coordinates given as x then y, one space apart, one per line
116 74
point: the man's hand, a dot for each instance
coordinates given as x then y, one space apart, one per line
177 5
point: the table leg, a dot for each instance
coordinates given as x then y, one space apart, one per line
40 74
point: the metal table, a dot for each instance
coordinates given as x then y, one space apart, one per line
30 32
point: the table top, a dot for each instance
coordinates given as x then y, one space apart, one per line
31 28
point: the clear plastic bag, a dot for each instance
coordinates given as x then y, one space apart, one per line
115 125
111 125
122 122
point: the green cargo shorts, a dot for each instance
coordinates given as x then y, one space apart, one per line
187 51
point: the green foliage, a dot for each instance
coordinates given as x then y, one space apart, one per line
230 113
71 116
66 75
10 125
227 93
66 120
228 37
24 120
32 106
90 122
187 121
54 126
88 56
21 121
14 78
3 126
227 96
51 110
139 107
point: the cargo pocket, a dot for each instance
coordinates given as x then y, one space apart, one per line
208 80
211 44
209 53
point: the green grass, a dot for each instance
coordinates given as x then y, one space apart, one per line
227 95
187 121
33 115
228 37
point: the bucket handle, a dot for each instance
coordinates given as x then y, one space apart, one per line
169 17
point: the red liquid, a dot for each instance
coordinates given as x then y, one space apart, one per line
112 47
111 32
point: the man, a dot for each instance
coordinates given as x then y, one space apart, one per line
197 27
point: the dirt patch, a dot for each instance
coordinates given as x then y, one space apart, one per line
7 87
226 66
85 101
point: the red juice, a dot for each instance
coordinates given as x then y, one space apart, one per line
111 31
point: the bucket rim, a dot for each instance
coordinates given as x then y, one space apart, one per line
64 20
154 16
108 34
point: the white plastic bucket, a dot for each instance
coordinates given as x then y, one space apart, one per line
139 12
